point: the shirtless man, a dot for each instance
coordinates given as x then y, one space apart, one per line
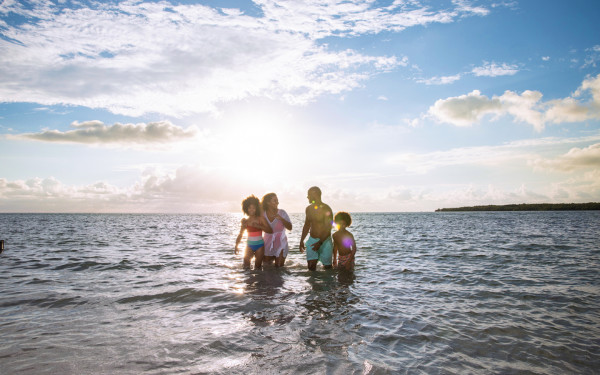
319 218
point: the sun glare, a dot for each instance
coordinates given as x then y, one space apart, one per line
258 140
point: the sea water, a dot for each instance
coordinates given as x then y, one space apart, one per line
432 293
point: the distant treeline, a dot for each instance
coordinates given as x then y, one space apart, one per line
528 207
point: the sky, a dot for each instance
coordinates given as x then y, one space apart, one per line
387 106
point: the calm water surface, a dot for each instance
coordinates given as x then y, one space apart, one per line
432 293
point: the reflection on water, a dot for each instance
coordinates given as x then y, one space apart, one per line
263 284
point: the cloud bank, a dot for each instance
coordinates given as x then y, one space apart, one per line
185 189
96 132
576 158
527 107
134 58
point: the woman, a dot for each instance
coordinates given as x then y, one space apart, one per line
276 244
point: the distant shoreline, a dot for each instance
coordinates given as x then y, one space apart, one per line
528 207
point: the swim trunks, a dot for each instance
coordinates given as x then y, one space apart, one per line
255 240
325 252
343 260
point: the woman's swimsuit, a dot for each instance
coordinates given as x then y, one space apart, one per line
255 240
276 243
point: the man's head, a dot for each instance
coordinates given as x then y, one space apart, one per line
314 194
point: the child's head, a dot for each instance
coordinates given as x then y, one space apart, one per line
343 219
251 206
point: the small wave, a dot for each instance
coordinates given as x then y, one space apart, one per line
79 266
153 267
122 265
49 302
179 296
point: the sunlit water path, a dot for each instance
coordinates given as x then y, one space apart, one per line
513 292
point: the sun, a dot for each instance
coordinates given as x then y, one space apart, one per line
257 143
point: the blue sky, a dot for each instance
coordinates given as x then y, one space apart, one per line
386 105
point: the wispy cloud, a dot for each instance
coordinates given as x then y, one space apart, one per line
486 70
445 80
134 58
525 151
96 132
592 58
527 107
495 70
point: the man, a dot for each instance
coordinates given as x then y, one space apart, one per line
319 219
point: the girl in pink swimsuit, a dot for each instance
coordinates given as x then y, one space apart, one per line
255 224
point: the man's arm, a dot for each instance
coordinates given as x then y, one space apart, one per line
305 230
328 220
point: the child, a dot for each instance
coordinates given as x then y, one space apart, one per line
255 224
343 242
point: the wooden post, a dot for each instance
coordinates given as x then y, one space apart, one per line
1 246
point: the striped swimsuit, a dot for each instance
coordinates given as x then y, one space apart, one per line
255 240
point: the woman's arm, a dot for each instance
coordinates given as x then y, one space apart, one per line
285 220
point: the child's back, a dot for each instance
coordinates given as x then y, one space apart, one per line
343 242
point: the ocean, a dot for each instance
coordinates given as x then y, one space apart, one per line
432 293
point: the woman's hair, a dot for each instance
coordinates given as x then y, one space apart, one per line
343 216
249 201
265 199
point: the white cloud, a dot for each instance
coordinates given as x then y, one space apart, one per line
134 58
465 110
545 58
495 70
96 132
527 107
572 109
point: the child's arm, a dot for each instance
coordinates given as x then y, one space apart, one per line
335 250
353 251
239 237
